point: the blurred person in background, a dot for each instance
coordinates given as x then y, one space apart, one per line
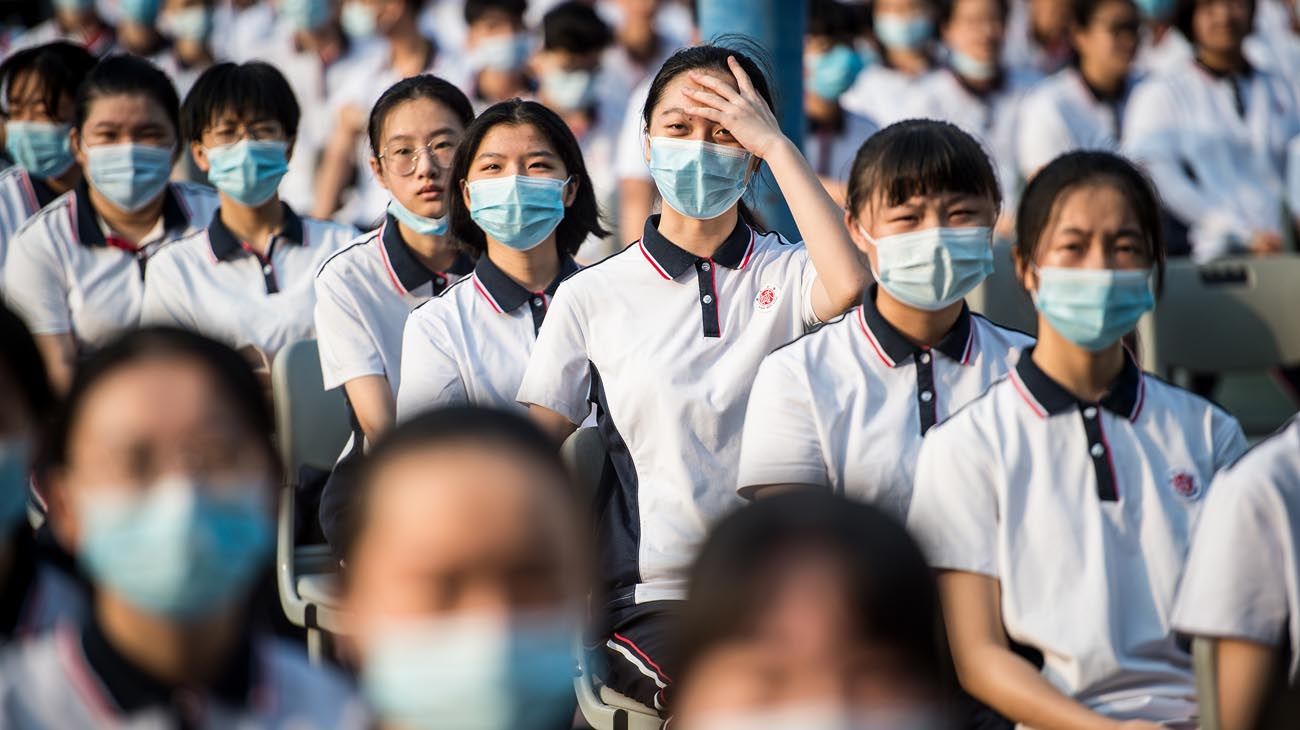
1082 106
161 480
243 27
75 21
188 24
40 87
137 28
1038 36
807 611
467 575
905 32
76 271
497 48
641 44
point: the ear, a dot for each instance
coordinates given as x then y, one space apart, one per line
378 173
62 518
1024 271
571 191
645 145
200 156
855 227
288 150
464 193
78 154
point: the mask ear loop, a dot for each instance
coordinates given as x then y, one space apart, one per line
870 266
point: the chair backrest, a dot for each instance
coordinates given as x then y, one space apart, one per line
1230 315
1000 297
311 423
584 453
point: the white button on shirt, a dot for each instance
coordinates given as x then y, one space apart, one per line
846 407
1243 576
21 196
1085 523
211 282
669 374
63 274
471 344
1062 114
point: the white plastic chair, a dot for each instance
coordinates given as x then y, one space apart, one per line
1205 662
601 707
312 426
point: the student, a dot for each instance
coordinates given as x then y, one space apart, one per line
845 408
1213 135
1059 506
904 30
188 24
693 306
466 575
246 279
1038 36
74 21
1163 48
137 28
1082 106
831 65
40 84
1242 586
522 205
497 47
162 478
808 611
976 91
75 271
642 42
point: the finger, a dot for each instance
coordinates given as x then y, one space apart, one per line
708 97
715 84
705 112
742 78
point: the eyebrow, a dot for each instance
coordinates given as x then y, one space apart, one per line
435 133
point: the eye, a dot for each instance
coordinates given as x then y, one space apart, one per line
491 167
904 218
404 151
677 127
723 133
442 145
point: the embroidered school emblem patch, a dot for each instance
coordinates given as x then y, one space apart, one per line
766 298
1184 484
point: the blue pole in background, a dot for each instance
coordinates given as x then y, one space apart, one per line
778 27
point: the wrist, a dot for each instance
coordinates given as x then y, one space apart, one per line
778 150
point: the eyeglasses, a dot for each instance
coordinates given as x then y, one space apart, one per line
402 159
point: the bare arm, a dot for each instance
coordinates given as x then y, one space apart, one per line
59 351
555 425
372 402
1245 675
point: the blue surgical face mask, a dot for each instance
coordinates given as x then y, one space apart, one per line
474 672
422 225
144 12
358 21
567 91
903 32
40 148
517 211
700 180
179 549
14 454
971 68
1156 9
130 175
304 14
833 72
501 53
248 171
932 268
1093 308
190 24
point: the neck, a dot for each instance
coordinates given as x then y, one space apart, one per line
132 226
175 654
254 226
533 269
435 252
920 327
909 61
638 39
1106 83
1086 374
1226 62
701 238
821 111
193 53
65 182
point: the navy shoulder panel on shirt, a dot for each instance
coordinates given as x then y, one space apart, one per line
462 280
363 240
821 326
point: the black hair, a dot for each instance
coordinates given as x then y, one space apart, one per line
889 587
475 9
21 364
575 27
834 19
1075 170
503 432
60 67
125 75
581 219
1082 12
424 86
945 10
252 92
1185 13
920 157
231 378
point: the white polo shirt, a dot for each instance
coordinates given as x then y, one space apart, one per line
214 283
1084 513
21 195
877 93
1243 577
831 151
1062 113
846 407
471 343
666 345
63 273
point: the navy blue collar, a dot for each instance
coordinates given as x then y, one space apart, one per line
896 348
43 192
226 245
1123 398
174 214
674 260
410 272
505 292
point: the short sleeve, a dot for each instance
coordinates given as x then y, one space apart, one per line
1229 441
431 376
36 284
347 346
807 281
559 372
780 443
954 512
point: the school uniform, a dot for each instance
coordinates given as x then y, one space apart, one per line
471 344
665 345
1023 51
66 272
214 283
1083 513
74 677
35 595
21 195
831 149
1243 576
1063 113
878 92
845 408
1215 146
100 43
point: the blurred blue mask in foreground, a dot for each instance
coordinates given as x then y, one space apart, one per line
1093 308
700 180
517 211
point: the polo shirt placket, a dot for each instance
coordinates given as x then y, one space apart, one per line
671 261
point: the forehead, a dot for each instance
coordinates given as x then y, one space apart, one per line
157 399
673 97
25 85
514 140
418 118
1094 205
976 8
125 108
